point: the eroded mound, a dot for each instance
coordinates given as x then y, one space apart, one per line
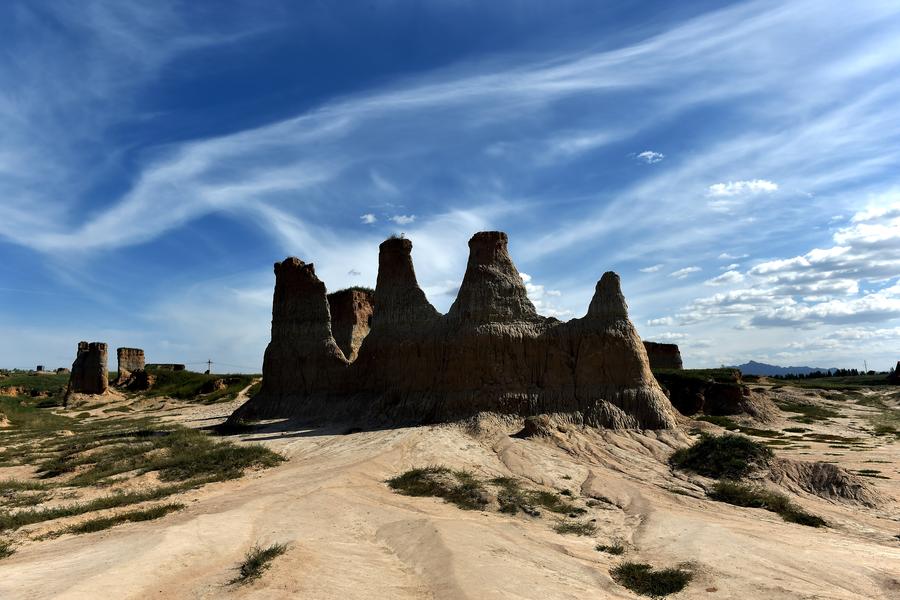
491 352
823 479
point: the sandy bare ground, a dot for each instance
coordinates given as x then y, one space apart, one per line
350 536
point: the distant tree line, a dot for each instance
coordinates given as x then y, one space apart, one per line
827 373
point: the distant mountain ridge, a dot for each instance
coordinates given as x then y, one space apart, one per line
758 368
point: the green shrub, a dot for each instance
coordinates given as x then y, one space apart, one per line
6 549
722 457
642 579
809 413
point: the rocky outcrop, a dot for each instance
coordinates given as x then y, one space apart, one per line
895 376
351 317
663 356
491 352
89 371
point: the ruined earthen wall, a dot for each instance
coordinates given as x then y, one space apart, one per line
129 359
491 352
89 371
663 356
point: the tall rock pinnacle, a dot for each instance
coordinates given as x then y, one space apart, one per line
302 356
492 290
399 302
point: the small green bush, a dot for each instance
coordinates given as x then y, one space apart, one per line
722 457
642 579
6 549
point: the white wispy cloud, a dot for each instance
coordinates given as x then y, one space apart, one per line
651 269
403 219
682 273
368 218
650 157
736 188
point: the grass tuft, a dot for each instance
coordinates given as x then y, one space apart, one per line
256 561
643 579
722 457
575 528
616 548
6 549
457 487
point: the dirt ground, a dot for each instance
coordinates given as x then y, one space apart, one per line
351 536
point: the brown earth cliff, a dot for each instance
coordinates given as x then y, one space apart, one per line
491 352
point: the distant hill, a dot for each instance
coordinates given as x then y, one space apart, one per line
758 368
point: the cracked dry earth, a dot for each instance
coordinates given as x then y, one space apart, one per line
350 536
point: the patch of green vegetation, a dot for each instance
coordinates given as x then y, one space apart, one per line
187 385
871 473
743 495
255 388
177 454
853 382
553 502
795 429
765 433
134 516
256 561
6 549
717 375
828 437
19 485
47 382
643 579
15 520
727 456
575 528
457 487
809 413
725 422
23 414
616 548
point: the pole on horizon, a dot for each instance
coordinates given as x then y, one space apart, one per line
208 367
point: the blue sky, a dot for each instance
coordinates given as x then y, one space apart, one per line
736 163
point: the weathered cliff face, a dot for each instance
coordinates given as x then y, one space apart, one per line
663 356
492 352
351 316
89 371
